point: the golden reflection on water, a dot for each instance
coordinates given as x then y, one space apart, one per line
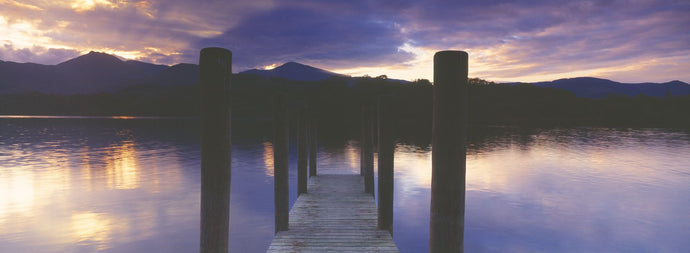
414 165
352 154
122 117
268 158
89 227
122 170
60 199
16 193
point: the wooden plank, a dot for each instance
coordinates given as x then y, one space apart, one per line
334 216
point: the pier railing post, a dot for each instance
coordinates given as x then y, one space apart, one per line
386 147
368 144
449 134
302 144
215 68
313 144
281 191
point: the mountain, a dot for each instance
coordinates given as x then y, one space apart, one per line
598 88
100 72
294 71
91 73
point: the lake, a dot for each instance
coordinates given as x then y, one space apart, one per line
85 184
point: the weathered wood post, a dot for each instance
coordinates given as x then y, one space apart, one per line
215 68
368 148
281 191
362 139
386 134
449 133
302 144
313 144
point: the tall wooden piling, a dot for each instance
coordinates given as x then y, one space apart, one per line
302 144
215 68
368 148
362 138
281 189
313 144
449 134
386 136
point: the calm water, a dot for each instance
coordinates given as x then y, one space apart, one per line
132 185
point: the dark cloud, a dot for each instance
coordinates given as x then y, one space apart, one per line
331 38
36 54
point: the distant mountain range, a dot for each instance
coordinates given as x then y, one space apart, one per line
99 72
598 88
91 73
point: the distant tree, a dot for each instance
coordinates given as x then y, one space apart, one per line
479 82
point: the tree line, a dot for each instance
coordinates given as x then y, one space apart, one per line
337 102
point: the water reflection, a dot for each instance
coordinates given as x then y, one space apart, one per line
268 158
601 190
17 193
94 228
66 190
122 171
412 167
131 185
338 158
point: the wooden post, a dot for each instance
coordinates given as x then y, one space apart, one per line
368 150
302 144
386 135
449 133
215 68
362 139
281 191
313 145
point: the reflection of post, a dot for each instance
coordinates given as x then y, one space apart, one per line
385 163
368 149
302 152
281 191
313 145
214 78
448 152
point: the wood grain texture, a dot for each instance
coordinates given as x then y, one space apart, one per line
334 216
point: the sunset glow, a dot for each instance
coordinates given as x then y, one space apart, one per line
269 67
517 41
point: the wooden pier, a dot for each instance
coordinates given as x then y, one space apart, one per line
336 215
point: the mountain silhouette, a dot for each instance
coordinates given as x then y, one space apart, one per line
100 72
294 71
91 73
598 88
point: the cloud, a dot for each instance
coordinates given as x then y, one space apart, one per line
311 36
126 27
517 39
36 54
505 39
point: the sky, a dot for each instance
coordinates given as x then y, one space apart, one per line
507 41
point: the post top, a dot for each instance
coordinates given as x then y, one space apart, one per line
215 50
450 53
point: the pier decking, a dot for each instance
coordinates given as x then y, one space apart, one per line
336 215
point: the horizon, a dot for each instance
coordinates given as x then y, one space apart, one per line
278 65
525 41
